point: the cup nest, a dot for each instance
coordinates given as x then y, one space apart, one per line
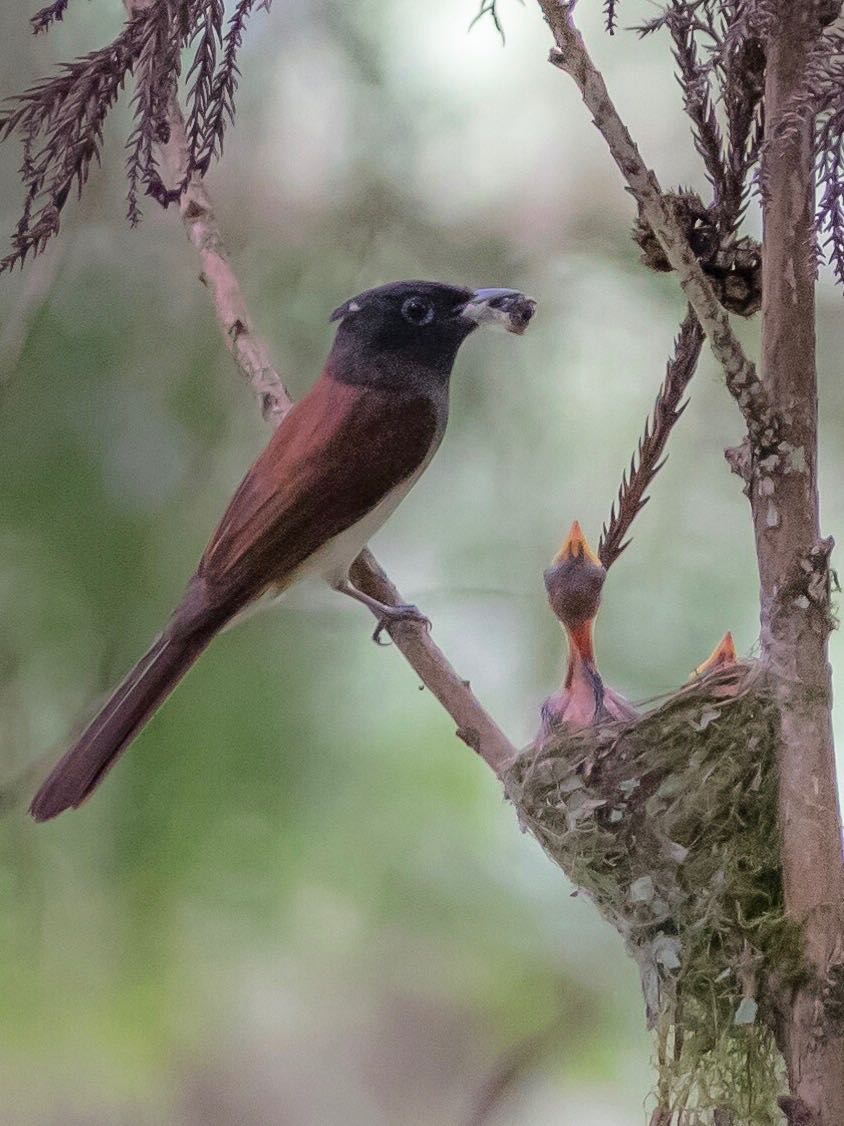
669 824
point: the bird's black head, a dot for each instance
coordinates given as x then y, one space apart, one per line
410 330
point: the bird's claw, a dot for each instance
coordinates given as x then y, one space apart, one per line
394 614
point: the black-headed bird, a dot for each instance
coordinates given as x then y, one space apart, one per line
338 465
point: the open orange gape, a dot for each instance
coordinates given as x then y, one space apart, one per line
574 583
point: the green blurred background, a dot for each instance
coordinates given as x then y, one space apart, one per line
300 900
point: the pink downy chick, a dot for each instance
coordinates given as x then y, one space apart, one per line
574 582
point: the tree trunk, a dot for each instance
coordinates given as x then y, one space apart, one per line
794 574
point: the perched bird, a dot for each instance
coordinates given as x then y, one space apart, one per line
574 582
338 465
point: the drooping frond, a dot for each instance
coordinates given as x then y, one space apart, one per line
719 55
824 100
44 19
59 121
220 108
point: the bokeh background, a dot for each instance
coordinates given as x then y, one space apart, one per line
300 900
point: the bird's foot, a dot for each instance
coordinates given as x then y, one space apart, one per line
390 615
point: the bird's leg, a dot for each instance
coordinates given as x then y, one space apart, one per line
387 615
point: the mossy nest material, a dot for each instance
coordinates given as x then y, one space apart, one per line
670 825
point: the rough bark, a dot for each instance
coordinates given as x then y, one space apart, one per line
794 574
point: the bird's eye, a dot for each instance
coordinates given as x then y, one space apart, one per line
418 311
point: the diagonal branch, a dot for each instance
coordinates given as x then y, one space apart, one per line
742 379
248 350
251 355
649 459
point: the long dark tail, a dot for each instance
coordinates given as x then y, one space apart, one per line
80 771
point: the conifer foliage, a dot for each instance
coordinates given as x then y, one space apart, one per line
59 121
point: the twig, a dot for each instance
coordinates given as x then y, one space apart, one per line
251 355
571 56
248 350
645 465
489 8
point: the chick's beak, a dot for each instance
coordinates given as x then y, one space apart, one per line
722 656
576 546
506 307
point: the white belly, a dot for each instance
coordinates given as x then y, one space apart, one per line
332 561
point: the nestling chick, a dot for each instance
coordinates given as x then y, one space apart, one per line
574 582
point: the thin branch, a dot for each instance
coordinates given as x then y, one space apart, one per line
742 379
650 458
248 350
475 726
251 355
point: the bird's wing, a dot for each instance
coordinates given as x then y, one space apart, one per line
339 451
